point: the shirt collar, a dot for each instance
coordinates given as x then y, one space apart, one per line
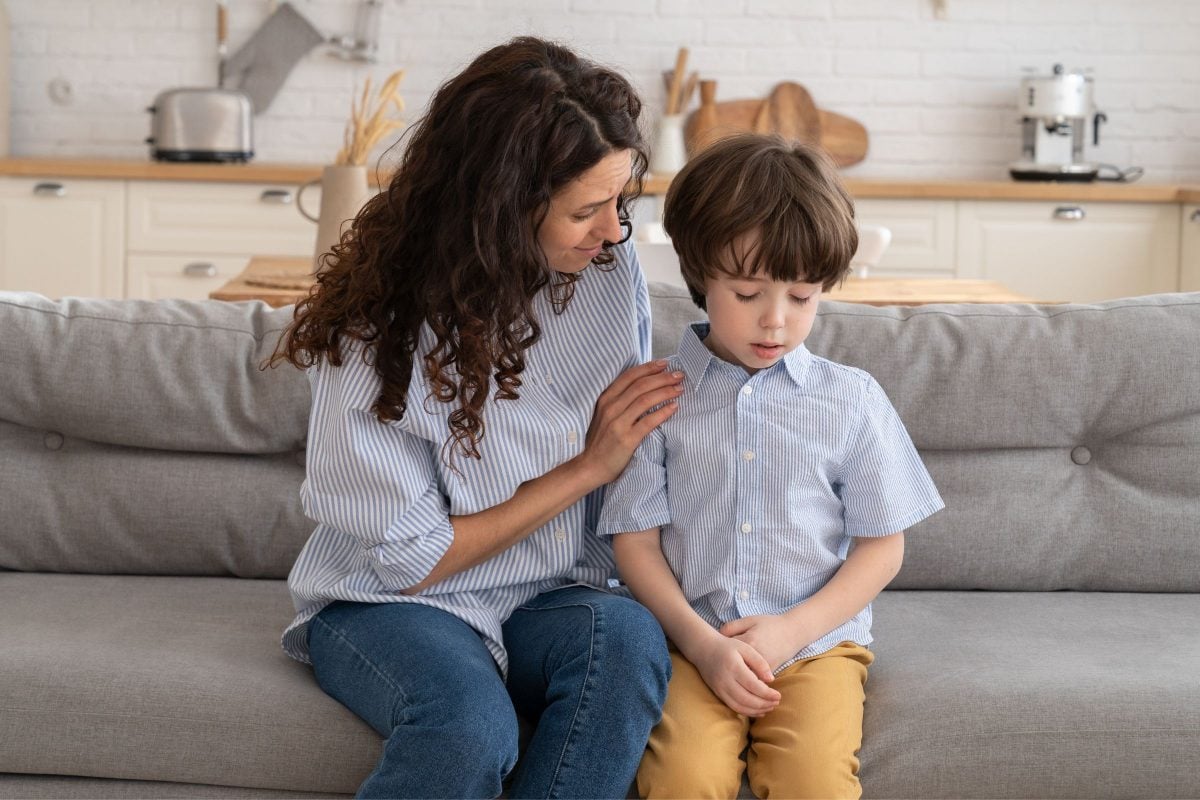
695 358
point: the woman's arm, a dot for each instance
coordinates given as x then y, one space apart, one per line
619 424
870 566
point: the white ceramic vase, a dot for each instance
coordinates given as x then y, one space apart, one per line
344 189
669 152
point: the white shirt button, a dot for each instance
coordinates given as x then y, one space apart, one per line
747 390
743 594
746 527
572 437
560 534
748 455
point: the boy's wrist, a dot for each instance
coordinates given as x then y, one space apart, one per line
693 638
800 626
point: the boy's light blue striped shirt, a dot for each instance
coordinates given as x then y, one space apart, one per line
759 482
382 495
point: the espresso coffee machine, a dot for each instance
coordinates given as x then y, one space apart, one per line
1056 114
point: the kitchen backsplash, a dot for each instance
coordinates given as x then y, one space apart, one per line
933 81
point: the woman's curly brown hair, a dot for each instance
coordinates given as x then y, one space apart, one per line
452 241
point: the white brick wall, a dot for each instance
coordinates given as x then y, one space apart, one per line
937 95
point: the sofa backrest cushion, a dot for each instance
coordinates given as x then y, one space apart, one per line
1064 439
143 437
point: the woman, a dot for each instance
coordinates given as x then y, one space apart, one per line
472 348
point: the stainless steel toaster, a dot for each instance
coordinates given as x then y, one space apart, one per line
201 125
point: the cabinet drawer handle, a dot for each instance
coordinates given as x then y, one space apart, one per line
1072 213
282 197
50 190
200 269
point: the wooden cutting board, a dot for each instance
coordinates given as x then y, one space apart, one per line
843 138
790 111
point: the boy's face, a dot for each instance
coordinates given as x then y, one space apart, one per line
755 321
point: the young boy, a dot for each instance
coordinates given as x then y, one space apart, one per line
761 519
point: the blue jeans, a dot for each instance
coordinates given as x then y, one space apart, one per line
588 668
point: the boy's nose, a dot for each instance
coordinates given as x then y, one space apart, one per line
772 319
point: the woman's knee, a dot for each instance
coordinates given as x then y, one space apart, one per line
626 630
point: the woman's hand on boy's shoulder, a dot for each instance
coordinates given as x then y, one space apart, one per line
737 674
623 416
774 636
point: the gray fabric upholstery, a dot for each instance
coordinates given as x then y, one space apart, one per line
57 787
167 679
169 375
1033 694
1064 439
79 506
974 694
142 438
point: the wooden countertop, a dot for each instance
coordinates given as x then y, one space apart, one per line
262 172
253 172
280 281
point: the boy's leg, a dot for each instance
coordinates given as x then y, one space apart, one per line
591 669
424 680
808 746
695 752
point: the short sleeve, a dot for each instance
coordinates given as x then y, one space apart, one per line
371 480
637 500
882 481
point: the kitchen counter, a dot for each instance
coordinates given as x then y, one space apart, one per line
1100 191
263 172
253 172
281 281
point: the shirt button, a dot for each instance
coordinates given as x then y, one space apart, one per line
746 527
743 594
747 390
748 455
560 534
572 437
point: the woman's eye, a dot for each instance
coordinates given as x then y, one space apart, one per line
584 217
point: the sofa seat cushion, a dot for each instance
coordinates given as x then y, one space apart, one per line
167 679
1033 694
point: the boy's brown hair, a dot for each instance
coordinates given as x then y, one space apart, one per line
788 192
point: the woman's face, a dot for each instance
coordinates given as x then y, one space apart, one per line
583 214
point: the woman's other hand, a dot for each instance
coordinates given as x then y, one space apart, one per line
623 416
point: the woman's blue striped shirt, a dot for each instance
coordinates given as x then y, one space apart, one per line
382 494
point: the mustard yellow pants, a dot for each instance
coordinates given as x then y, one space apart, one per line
807 747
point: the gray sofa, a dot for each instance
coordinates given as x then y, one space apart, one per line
1042 640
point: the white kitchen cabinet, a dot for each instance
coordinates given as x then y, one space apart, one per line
62 237
186 239
1071 252
923 234
1189 249
192 277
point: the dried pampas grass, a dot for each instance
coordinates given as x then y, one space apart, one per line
370 124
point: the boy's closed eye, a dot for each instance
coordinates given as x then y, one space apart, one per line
747 298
